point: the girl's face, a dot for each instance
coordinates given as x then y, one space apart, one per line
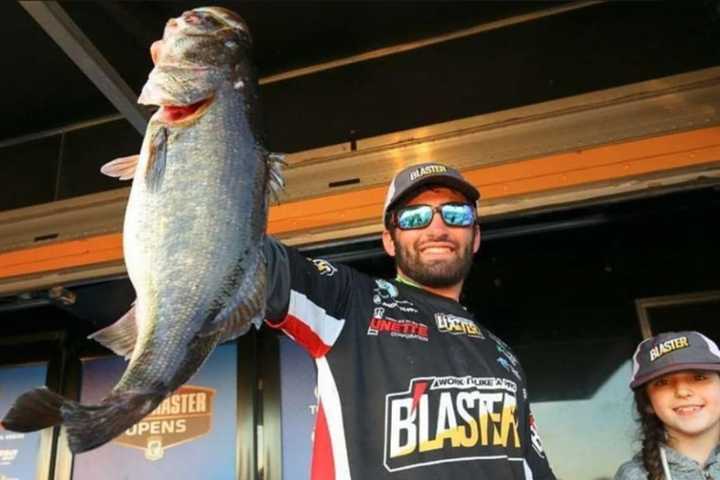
687 402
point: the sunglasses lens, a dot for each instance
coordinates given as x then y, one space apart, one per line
414 217
457 215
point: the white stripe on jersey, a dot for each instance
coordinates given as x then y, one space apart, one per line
330 399
528 470
324 325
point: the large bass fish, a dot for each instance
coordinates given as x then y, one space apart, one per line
193 230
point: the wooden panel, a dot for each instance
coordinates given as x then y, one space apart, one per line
75 218
648 109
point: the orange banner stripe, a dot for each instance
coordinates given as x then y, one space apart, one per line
62 255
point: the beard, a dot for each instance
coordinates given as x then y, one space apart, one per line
437 273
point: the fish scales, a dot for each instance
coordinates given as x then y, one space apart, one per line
228 181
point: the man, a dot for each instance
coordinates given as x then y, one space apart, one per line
410 386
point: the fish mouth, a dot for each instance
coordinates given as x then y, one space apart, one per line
183 114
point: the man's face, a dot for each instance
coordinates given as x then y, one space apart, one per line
436 256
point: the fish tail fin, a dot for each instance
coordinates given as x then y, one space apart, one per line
34 410
90 426
87 426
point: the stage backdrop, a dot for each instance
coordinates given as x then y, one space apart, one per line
190 435
19 451
299 401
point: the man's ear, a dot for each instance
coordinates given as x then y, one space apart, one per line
476 240
388 243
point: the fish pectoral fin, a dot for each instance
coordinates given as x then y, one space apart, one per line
122 168
120 337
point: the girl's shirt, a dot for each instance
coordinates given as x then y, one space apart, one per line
681 467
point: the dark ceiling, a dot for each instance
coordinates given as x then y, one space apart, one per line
48 90
596 47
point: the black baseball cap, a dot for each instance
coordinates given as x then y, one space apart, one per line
671 352
411 178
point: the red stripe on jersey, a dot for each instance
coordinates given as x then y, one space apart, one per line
323 466
303 335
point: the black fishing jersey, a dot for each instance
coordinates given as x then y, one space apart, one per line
409 385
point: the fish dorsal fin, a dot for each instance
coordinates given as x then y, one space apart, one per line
119 337
156 159
276 162
122 168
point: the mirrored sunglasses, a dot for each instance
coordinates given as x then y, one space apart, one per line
420 216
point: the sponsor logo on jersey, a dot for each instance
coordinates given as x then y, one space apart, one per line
380 324
387 289
508 354
450 419
182 417
385 295
498 340
535 438
325 268
448 323
507 366
503 348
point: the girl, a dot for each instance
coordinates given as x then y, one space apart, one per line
677 394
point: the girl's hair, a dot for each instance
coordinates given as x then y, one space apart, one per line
652 434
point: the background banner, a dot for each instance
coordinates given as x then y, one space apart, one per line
298 382
190 435
19 451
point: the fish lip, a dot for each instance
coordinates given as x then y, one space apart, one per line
164 115
176 85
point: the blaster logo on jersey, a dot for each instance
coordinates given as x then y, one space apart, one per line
448 323
325 268
450 419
